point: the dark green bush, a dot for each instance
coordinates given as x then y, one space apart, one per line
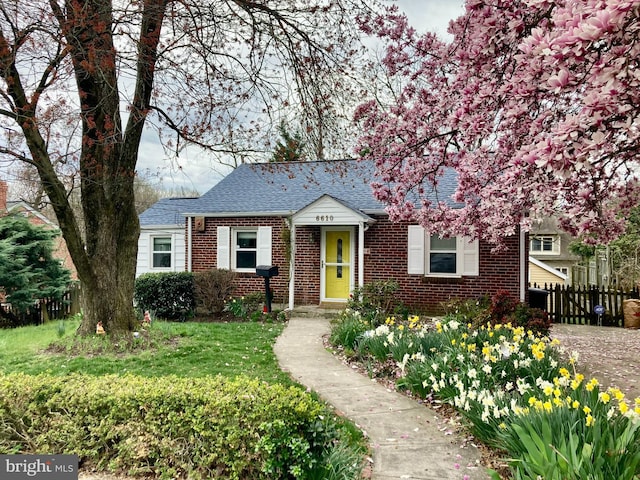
504 308
248 307
534 319
169 296
168 427
467 310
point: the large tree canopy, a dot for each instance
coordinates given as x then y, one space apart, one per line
534 103
80 79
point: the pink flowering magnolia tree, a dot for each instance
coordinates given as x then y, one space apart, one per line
535 104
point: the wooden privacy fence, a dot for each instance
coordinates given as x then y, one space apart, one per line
576 304
49 309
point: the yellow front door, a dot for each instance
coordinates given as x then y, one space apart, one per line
337 264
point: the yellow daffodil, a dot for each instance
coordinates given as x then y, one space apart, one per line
616 393
589 420
624 408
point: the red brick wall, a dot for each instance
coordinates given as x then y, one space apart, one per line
307 270
386 259
204 254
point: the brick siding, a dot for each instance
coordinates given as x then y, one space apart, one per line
386 258
204 253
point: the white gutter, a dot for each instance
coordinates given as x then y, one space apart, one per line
292 264
189 249
523 265
361 254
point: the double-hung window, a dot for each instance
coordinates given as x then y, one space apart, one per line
443 255
242 249
245 252
161 252
433 256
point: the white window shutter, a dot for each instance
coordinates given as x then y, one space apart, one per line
470 251
415 250
223 250
264 246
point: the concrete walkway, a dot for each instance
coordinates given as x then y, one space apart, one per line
408 440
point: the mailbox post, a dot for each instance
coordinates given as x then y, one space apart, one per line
267 271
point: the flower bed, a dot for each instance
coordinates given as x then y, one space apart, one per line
514 390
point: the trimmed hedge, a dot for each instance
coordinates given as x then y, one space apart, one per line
170 427
169 296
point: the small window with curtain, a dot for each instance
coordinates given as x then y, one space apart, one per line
162 252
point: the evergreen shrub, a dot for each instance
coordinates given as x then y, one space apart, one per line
168 427
169 296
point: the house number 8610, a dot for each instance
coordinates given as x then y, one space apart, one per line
324 218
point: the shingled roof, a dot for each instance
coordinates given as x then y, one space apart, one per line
167 211
282 189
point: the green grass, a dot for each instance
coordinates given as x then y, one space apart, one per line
184 349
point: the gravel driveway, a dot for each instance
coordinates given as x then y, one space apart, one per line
610 354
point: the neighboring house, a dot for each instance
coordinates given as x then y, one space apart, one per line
541 274
320 224
550 245
161 245
60 250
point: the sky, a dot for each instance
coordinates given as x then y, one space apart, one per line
196 172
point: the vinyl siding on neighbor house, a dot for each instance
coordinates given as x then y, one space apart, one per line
541 274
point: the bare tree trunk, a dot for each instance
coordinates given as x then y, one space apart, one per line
109 283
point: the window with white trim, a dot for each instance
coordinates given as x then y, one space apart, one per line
242 249
245 250
431 255
443 253
548 244
162 252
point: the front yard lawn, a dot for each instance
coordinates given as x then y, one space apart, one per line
181 400
183 349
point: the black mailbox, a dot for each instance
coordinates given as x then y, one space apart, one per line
267 271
